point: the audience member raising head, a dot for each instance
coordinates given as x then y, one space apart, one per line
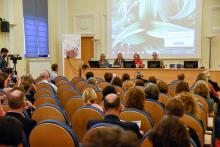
163 87
111 137
16 105
89 75
117 81
152 91
182 86
125 77
108 90
170 132
112 109
11 132
201 88
108 77
127 84
134 98
90 97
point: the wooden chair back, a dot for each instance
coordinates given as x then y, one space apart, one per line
53 134
155 109
137 115
192 122
49 111
81 117
72 105
164 98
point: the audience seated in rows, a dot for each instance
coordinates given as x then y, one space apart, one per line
182 86
108 77
139 82
53 73
112 137
108 90
139 75
92 81
169 132
163 87
11 132
16 103
127 84
27 84
134 98
152 79
152 91
112 109
89 96
201 88
213 93
45 78
190 104
89 75
175 107
181 77
117 81
125 77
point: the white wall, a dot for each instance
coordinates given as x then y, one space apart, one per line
61 13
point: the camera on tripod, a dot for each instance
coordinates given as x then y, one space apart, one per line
14 57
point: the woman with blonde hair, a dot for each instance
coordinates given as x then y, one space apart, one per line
190 104
127 84
202 88
89 97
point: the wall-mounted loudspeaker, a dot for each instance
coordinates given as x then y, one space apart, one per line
4 26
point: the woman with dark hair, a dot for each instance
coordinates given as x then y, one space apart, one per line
170 132
125 77
163 87
117 81
182 86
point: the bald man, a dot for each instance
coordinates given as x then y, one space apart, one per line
16 103
45 78
112 110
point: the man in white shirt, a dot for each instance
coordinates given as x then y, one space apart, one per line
53 73
45 78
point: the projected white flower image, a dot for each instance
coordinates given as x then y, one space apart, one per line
147 25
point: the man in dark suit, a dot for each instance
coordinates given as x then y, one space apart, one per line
112 109
16 105
3 58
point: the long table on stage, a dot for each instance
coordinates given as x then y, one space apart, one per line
167 75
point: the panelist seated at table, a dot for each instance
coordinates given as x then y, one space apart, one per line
119 60
103 62
138 61
155 58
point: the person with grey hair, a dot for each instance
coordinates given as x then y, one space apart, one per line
45 78
91 81
103 61
152 91
155 58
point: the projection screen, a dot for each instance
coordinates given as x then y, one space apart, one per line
170 27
